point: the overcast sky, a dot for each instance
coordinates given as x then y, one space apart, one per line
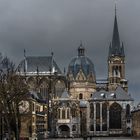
42 26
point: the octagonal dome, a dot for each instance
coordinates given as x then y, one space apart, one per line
81 62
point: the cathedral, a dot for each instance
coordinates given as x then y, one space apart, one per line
78 103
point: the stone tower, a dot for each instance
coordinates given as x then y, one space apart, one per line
116 61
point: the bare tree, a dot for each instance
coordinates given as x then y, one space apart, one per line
13 89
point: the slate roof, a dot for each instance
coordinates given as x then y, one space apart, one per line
115 47
81 62
119 94
83 103
38 63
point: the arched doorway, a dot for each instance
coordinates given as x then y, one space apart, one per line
64 131
115 116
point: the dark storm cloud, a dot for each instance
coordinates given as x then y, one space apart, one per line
42 26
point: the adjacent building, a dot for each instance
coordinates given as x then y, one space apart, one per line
34 123
136 121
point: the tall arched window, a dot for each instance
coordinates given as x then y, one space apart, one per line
91 111
44 90
68 114
58 114
104 117
98 117
120 69
115 112
127 110
73 110
59 88
63 113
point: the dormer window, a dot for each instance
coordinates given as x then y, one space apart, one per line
113 95
103 95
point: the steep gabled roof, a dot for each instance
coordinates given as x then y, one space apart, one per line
118 95
41 64
116 48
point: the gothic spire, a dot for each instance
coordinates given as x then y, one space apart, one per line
115 49
115 38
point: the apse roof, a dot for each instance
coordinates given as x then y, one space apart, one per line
118 94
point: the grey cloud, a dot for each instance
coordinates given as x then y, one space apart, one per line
58 25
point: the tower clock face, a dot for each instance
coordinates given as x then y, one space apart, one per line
24 107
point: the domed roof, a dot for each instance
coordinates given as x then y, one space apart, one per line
81 62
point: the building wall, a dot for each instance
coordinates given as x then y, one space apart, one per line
136 123
34 122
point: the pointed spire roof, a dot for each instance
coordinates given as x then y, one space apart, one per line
115 38
115 49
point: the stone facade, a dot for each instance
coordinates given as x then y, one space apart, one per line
34 120
77 103
136 122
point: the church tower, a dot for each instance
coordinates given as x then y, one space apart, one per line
116 61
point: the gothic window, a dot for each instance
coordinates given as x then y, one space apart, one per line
98 117
80 96
115 116
74 128
59 88
44 90
104 117
59 114
68 114
63 113
116 71
91 127
33 106
91 111
120 69
73 110
127 110
31 83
